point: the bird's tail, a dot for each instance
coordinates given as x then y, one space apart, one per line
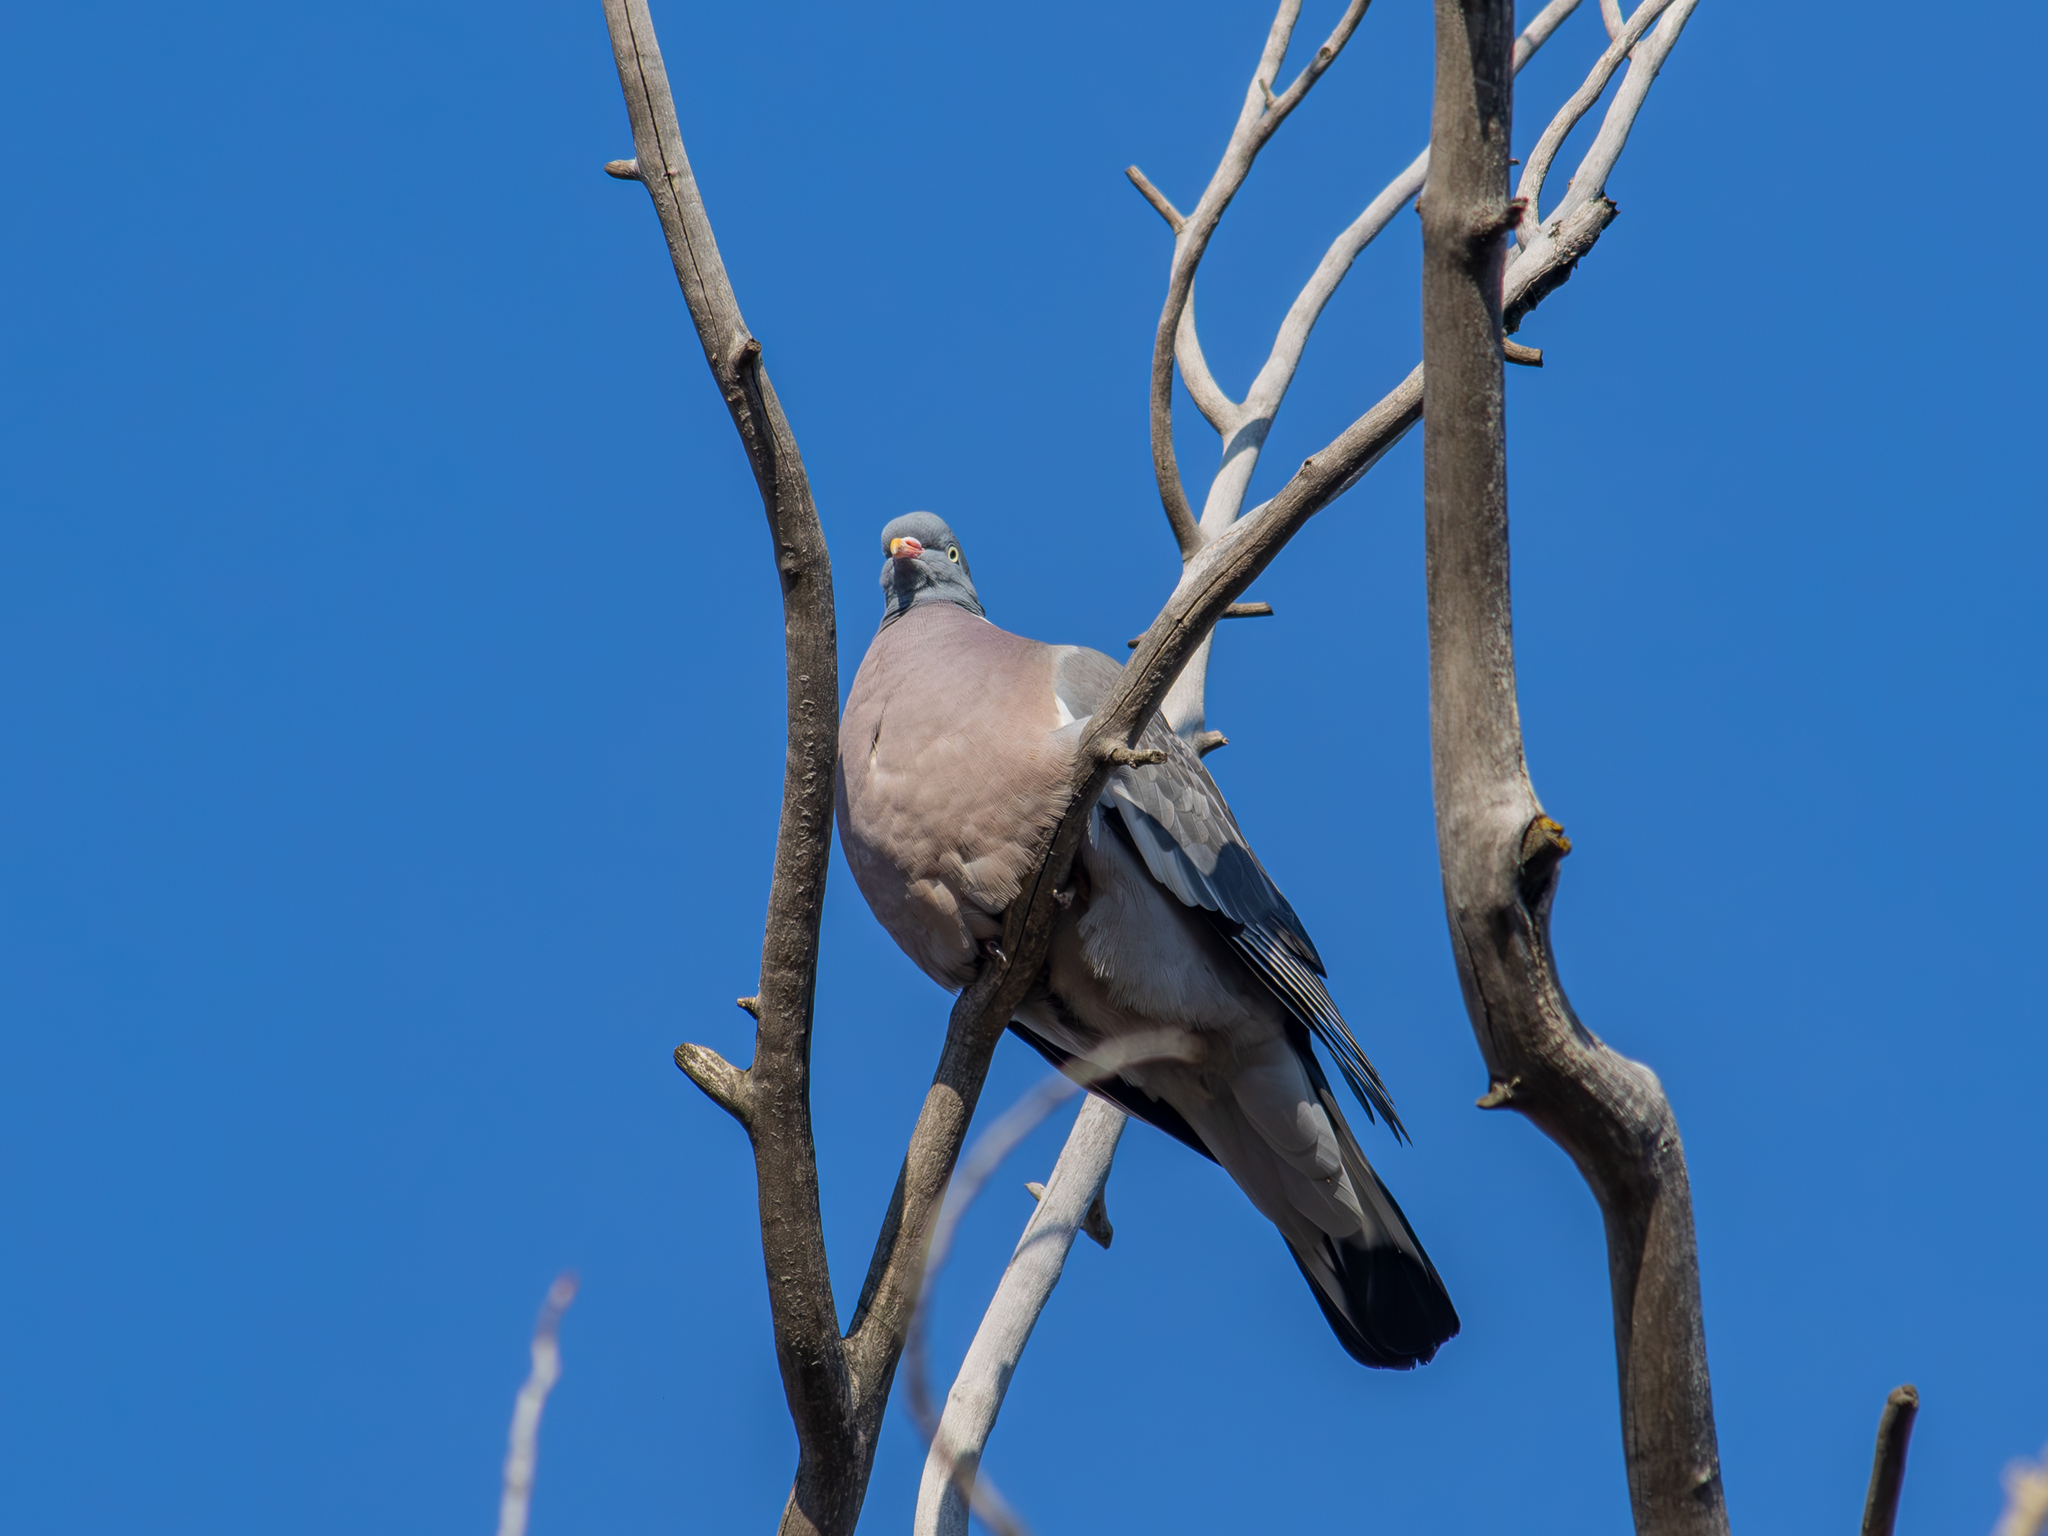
1379 1291
1382 1296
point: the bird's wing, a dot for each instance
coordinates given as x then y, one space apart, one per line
1178 822
1120 1091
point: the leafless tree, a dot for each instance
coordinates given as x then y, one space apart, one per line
1488 260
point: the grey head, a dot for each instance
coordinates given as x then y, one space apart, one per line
924 564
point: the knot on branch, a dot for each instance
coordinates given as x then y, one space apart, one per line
1209 741
750 1004
1544 846
1543 835
1094 1222
1570 240
1470 233
622 170
1499 1095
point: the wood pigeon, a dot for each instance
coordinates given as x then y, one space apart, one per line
954 753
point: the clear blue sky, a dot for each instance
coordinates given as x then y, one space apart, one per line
389 749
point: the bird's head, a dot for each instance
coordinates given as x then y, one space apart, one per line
924 564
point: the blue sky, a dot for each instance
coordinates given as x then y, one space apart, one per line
389 749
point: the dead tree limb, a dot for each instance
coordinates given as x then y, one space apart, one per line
1500 854
1257 121
1888 1463
771 1098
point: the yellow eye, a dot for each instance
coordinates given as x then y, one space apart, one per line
953 553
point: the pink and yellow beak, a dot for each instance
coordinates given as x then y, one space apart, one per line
905 549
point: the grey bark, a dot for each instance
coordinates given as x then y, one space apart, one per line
1500 854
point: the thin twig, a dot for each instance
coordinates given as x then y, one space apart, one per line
1888 1462
957 1439
1589 181
1530 188
1234 611
1260 118
1270 386
1244 428
2026 1498
1173 216
988 1152
1067 1204
522 1453
723 1083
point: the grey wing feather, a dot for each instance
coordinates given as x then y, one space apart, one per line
1181 827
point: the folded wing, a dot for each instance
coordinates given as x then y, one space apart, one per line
1179 824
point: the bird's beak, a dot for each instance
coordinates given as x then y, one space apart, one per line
905 549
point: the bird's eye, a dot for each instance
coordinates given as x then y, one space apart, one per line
953 553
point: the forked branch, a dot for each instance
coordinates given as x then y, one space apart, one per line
1258 120
772 1096
1243 427
1499 853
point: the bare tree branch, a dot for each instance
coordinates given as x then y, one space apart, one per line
1530 188
1221 412
1244 428
522 1453
772 1097
1888 1464
1261 115
958 1439
2026 1499
1500 854
1589 182
1173 216
1035 1267
1246 434
723 1083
